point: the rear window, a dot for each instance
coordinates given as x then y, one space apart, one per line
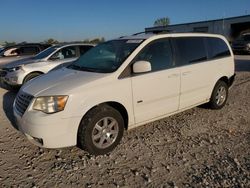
217 48
189 50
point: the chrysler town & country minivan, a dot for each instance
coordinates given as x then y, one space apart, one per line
121 84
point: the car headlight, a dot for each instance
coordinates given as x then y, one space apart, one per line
13 69
50 104
248 45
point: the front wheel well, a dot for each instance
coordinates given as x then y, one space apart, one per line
224 79
35 72
119 107
122 110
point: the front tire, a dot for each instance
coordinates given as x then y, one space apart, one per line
101 130
219 95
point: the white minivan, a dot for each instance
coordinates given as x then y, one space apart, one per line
121 84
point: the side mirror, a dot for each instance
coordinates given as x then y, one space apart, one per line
141 67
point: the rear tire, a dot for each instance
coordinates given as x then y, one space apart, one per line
31 76
101 130
219 95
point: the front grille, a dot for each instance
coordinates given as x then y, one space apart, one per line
22 102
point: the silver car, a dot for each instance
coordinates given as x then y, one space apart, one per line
19 72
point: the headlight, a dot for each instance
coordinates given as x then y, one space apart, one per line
13 69
50 104
248 45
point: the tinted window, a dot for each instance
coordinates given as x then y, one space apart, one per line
29 50
217 48
189 50
65 53
158 53
45 53
84 49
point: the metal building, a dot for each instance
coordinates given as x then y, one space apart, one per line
229 27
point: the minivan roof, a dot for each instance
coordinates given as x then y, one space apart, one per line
144 36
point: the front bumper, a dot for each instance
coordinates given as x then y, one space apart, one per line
14 78
48 130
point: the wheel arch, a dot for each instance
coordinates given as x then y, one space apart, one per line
224 79
39 72
118 106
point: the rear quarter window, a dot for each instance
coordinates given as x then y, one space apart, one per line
217 48
29 50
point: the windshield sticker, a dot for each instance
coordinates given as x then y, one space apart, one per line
134 41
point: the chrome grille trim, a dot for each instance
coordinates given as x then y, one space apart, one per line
22 102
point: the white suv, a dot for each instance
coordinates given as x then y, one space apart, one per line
19 72
122 84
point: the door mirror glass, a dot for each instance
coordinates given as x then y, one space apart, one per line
141 67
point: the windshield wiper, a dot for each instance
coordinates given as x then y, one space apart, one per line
88 69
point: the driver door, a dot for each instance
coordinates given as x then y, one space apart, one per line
157 92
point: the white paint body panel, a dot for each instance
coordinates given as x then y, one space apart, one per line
162 93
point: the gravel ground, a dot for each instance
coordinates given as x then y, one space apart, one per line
196 148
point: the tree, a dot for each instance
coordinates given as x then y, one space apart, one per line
9 43
51 41
97 40
162 22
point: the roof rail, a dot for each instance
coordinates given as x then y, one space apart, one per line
139 33
159 31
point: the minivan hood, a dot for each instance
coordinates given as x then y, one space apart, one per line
60 82
21 62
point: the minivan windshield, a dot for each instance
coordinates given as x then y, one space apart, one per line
106 57
45 53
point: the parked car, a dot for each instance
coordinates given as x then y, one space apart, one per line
242 44
121 84
20 51
20 72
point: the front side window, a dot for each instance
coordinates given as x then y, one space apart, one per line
217 48
158 53
189 50
64 53
46 53
106 57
